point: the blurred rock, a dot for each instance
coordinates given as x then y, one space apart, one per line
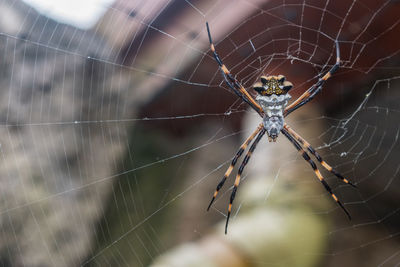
55 88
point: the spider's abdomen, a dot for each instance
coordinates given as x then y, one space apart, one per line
273 107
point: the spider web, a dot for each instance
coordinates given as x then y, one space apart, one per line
114 138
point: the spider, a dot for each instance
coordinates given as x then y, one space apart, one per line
271 104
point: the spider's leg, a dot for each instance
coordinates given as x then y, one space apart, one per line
307 146
233 163
231 81
317 172
238 176
316 88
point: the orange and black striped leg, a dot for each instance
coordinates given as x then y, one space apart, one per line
233 163
231 81
316 88
238 176
307 146
317 172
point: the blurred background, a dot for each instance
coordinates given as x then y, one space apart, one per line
116 127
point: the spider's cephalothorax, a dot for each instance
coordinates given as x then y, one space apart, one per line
273 98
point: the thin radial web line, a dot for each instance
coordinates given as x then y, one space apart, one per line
182 117
102 60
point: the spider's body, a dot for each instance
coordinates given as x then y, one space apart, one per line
271 104
273 107
273 98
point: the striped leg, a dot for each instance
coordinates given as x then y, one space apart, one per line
238 176
231 81
233 163
317 173
316 88
307 146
